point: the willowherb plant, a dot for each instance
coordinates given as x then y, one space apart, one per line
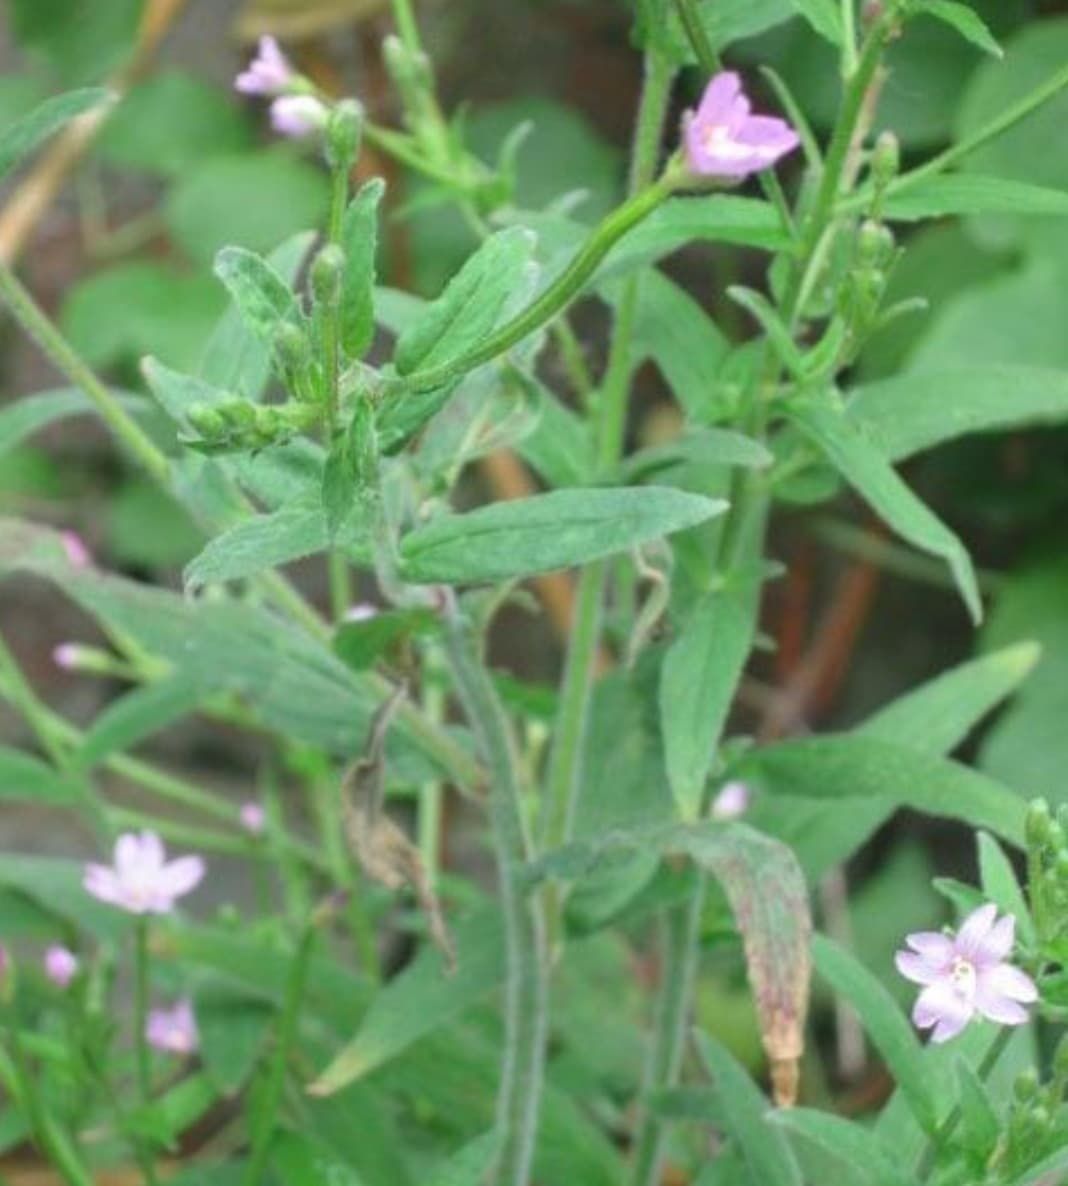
335 417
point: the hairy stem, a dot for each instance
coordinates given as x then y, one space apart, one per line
140 1016
526 987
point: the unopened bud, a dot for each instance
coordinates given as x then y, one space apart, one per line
326 272
1055 837
239 413
875 243
885 160
207 420
1025 1085
343 134
1038 823
291 345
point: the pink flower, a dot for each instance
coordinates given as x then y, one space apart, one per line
66 655
60 965
78 555
141 880
173 1031
731 802
363 611
253 817
722 138
966 974
298 115
269 72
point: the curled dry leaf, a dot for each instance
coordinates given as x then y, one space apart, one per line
384 852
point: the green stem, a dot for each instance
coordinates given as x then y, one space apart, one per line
271 1095
849 37
34 321
141 1047
565 762
946 1128
555 298
36 714
526 987
430 792
407 26
680 934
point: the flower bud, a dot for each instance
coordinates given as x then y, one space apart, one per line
238 413
885 160
343 132
1038 823
1060 866
325 275
1025 1085
1055 837
207 420
291 345
409 71
875 243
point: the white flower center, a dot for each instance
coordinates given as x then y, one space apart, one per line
718 142
962 977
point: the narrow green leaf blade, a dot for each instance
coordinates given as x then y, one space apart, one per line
262 297
968 23
946 194
888 1029
25 134
1000 885
824 16
547 532
359 240
858 1148
26 779
765 1149
869 472
138 715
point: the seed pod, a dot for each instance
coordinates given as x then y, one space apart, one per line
326 272
343 133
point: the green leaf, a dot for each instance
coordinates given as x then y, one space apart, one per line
468 1166
858 1149
221 201
262 297
23 417
909 413
299 1161
233 1031
138 715
979 1120
966 21
698 679
724 22
560 445
547 532
703 449
1046 1173
469 307
852 766
824 16
24 135
56 886
746 1112
236 358
76 41
867 469
1000 885
972 193
170 123
26 779
359 238
888 1029
360 644
419 999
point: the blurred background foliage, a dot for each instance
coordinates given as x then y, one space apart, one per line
184 166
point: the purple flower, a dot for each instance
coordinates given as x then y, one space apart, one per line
173 1031
60 965
298 115
966 974
731 802
362 611
253 817
269 72
66 655
78 555
723 139
141 880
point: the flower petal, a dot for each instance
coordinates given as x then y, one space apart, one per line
916 968
941 1004
769 133
974 930
948 1027
101 882
1001 1009
718 100
180 876
998 942
1008 981
932 945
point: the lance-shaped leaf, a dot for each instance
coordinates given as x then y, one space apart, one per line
865 1159
546 532
697 682
869 472
359 239
968 23
943 194
138 715
24 778
25 134
263 298
29 414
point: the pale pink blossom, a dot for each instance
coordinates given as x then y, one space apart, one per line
298 115
66 655
966 974
269 72
253 817
722 138
141 879
363 611
732 801
173 1030
60 965
78 554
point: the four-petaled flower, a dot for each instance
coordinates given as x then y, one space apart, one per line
173 1030
253 817
60 965
732 801
723 139
298 115
141 879
269 72
966 974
